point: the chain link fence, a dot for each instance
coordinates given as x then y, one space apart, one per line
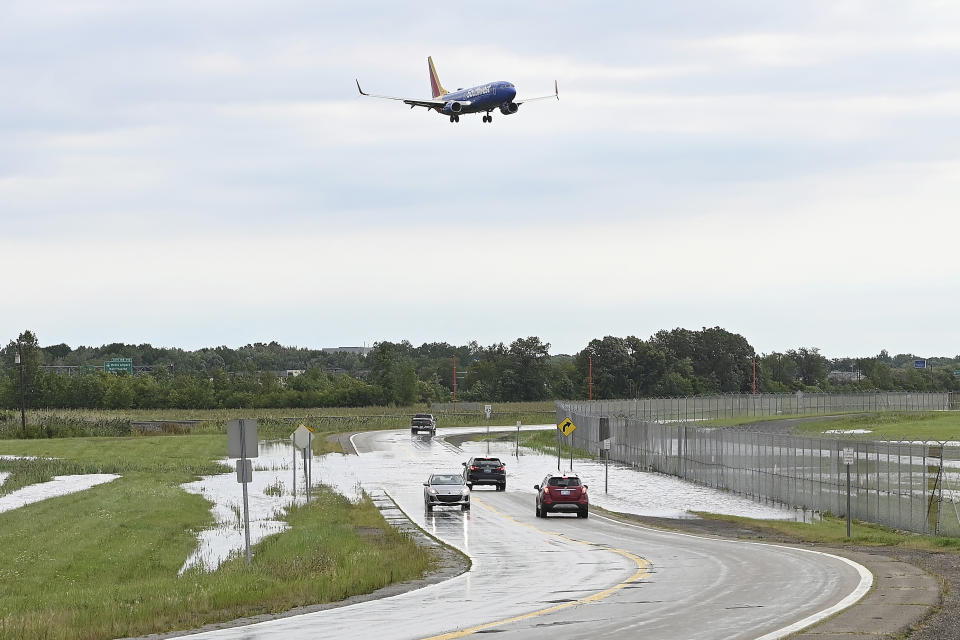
913 486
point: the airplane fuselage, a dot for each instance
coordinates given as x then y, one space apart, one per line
482 98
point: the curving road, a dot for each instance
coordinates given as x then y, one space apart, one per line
568 578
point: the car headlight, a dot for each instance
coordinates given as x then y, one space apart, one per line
432 491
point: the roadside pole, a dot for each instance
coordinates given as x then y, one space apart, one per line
848 458
293 486
566 427
606 465
302 438
242 443
558 449
518 440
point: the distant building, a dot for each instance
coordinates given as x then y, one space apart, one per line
360 351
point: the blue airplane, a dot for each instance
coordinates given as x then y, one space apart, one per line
480 99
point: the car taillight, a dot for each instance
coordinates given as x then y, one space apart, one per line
473 468
501 468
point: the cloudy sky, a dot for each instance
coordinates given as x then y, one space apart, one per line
202 173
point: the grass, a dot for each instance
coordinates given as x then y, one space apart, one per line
931 425
831 530
103 563
737 421
935 425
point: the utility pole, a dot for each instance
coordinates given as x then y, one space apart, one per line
590 378
23 411
454 384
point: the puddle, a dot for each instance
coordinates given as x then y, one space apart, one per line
59 486
268 494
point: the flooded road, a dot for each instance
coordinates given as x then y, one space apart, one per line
563 577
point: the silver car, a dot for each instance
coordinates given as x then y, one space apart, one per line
446 489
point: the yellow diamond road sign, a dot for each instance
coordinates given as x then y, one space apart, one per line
566 427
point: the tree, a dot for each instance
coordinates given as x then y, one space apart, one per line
525 374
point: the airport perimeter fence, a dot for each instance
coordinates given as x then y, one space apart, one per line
912 486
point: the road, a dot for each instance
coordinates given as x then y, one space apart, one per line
565 577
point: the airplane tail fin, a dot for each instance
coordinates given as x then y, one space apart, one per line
435 87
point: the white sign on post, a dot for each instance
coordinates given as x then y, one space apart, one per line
488 409
848 456
302 437
606 444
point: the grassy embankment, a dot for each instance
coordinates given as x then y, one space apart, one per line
103 563
831 530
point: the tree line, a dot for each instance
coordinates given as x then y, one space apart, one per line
677 362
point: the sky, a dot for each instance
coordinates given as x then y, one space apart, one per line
199 174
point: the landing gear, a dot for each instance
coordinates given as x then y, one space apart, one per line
488 118
454 118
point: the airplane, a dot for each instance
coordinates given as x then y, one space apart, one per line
480 99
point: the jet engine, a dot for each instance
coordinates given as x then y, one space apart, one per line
509 108
452 107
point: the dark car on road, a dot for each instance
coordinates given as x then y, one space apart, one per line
423 422
562 492
485 471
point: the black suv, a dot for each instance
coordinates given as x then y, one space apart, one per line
485 471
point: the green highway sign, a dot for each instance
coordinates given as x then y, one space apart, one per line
116 365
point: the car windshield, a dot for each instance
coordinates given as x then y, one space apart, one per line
447 479
564 482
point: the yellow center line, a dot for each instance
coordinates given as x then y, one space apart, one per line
643 567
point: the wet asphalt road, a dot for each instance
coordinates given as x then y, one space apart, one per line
564 577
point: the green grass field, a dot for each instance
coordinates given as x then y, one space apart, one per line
931 425
103 563
936 425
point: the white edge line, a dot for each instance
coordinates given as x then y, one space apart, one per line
866 579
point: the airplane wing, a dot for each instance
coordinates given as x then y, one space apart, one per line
429 104
555 94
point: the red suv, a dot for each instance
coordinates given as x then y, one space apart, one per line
562 492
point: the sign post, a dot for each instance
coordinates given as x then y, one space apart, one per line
303 439
242 444
518 440
848 458
566 427
606 465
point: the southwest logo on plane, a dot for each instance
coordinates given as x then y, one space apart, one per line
480 99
